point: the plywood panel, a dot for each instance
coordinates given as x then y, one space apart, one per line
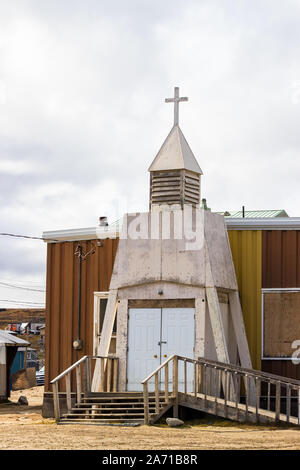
281 323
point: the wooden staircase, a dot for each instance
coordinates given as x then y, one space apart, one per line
113 408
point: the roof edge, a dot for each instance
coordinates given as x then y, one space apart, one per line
93 233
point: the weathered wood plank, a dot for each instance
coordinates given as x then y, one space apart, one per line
157 393
78 383
167 382
106 333
146 403
68 391
56 401
175 386
115 375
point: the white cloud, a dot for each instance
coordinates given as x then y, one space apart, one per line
82 113
18 167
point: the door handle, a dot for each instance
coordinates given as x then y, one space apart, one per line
155 356
165 355
161 342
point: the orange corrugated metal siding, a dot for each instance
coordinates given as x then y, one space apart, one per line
246 247
281 258
281 269
61 300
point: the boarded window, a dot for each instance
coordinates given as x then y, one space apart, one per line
103 304
281 319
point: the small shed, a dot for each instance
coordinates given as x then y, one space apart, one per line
8 348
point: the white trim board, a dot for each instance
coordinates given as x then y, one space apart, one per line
92 233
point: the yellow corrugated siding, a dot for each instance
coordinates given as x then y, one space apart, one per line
246 247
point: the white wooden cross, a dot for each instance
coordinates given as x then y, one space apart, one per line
176 100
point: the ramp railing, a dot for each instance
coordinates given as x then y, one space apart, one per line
238 391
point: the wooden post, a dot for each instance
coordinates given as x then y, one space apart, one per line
115 374
146 403
78 383
225 391
208 380
269 396
156 393
185 377
175 386
298 405
204 384
247 396
102 376
230 385
288 403
56 401
237 394
277 408
167 382
87 376
195 378
257 401
216 388
68 391
108 381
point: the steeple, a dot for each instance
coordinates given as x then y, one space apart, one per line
175 173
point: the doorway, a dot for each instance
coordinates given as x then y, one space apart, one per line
154 334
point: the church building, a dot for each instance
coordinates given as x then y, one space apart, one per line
141 305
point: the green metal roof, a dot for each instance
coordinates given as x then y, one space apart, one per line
255 214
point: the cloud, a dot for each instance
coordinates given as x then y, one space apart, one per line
82 113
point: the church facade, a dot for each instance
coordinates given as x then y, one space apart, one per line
175 280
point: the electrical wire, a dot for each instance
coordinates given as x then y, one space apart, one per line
14 235
21 302
23 283
4 284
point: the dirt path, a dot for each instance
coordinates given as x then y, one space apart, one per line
22 427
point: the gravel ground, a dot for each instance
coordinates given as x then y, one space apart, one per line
23 427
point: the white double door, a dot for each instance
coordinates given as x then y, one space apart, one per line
154 334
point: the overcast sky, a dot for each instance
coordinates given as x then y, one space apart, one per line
82 112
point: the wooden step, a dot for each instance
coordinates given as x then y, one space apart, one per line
118 398
111 422
115 410
118 404
106 416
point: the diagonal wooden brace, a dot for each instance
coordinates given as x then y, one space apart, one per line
106 333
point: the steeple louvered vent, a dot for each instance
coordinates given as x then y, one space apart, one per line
174 187
166 187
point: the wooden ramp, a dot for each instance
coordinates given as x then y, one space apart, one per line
226 391
230 410
219 389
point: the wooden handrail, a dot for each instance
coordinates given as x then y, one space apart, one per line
157 369
250 372
155 373
60 376
110 385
